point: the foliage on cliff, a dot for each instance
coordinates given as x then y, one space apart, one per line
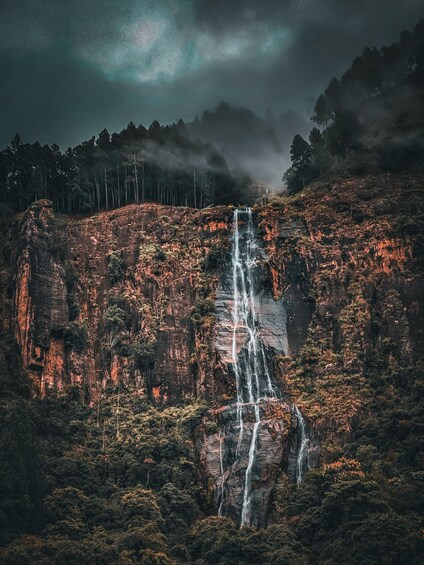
360 263
119 483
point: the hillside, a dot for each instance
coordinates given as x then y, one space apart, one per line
119 424
370 120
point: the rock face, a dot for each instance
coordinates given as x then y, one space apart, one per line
224 456
345 273
142 298
40 304
271 312
252 440
148 303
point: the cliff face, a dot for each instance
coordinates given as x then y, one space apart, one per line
351 249
122 279
40 306
142 297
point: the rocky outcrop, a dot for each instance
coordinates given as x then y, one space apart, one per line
157 251
40 301
224 452
291 281
271 320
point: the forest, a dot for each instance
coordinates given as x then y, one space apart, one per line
159 164
371 119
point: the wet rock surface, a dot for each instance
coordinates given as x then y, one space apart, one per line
224 453
254 440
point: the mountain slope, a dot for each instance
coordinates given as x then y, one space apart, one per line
118 321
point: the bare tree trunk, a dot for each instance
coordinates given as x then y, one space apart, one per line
118 183
98 413
117 412
106 194
97 185
135 178
103 436
126 185
143 186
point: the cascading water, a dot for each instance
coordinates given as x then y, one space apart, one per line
253 380
251 370
221 471
302 461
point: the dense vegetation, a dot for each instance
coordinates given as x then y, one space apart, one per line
370 119
117 483
159 164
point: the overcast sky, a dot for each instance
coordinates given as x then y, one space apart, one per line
69 68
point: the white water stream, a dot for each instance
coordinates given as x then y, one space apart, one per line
250 364
302 462
253 378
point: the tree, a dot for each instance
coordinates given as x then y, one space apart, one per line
75 336
66 513
20 466
322 112
320 155
103 141
300 153
301 172
215 540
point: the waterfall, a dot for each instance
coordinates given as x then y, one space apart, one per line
251 369
221 471
247 502
253 379
302 460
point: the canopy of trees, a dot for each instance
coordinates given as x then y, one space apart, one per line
158 164
372 118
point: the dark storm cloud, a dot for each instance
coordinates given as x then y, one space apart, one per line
70 68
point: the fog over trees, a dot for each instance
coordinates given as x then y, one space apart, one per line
371 119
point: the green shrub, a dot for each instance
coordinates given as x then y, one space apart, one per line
160 255
149 251
202 308
117 300
143 355
121 347
114 318
75 336
116 268
216 259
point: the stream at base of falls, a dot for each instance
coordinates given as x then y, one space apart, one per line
252 371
